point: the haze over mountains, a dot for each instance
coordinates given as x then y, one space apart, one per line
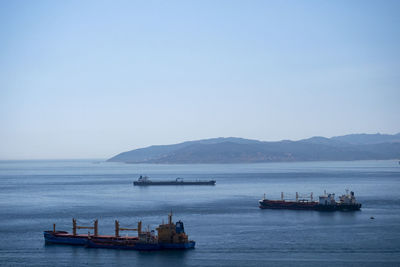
239 150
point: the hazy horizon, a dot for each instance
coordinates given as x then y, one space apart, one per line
92 79
129 149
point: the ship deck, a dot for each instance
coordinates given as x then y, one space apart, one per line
69 235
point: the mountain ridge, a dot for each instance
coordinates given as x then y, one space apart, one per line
240 150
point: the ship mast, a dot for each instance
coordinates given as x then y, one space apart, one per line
170 218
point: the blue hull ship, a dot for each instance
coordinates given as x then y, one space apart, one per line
170 236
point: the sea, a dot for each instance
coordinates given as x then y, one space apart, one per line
225 221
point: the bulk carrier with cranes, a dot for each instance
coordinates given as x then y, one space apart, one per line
170 236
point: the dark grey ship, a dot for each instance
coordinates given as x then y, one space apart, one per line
326 202
145 181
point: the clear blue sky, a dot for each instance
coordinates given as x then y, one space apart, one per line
89 79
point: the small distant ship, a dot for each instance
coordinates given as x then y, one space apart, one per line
144 181
170 236
327 202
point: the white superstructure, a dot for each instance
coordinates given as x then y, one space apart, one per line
327 199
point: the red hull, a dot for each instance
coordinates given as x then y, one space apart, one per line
291 205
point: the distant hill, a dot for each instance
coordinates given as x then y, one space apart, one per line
367 139
239 150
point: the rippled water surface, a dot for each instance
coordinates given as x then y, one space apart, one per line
225 221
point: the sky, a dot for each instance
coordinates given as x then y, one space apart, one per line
91 79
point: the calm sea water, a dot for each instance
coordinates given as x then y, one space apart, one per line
225 221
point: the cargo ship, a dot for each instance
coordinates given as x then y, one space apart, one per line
170 236
144 181
327 202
